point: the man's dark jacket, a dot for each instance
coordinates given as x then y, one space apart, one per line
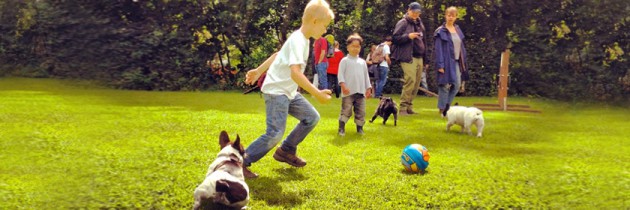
403 47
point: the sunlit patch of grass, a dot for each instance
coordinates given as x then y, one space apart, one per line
69 144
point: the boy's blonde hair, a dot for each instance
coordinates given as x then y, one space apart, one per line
317 9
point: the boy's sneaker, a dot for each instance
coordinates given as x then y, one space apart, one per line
249 174
290 159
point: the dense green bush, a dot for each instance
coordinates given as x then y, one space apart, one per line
570 50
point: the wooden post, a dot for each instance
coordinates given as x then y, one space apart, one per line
503 79
503 89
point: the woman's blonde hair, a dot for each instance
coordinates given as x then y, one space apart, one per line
317 9
451 9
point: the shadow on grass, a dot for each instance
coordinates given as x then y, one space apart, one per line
379 122
290 174
408 173
496 142
350 137
270 190
86 92
507 150
489 145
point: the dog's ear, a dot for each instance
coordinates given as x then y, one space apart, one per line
237 145
224 139
237 142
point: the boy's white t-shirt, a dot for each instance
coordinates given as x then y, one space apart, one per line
293 52
385 52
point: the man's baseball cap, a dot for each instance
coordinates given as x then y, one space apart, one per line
415 6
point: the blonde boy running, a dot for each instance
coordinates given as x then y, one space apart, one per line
285 72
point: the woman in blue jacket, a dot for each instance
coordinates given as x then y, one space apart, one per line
450 60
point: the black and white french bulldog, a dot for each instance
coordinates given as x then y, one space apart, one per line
386 107
224 186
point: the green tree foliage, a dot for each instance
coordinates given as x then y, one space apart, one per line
567 49
573 50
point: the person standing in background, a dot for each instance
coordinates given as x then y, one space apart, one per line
383 67
333 69
450 60
321 62
409 49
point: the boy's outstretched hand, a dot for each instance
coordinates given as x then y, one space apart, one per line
252 76
323 96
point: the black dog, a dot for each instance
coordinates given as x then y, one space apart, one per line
386 107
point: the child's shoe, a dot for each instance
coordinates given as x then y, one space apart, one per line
342 128
360 130
288 158
249 174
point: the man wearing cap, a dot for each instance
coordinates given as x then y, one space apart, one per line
409 48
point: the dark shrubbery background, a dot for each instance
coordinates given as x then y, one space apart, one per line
566 49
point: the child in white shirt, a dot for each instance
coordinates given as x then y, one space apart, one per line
355 85
286 73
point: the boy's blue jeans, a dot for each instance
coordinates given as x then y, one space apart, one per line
382 80
321 72
278 107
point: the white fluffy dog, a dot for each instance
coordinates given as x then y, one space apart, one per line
465 117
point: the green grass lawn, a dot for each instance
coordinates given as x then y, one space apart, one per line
69 144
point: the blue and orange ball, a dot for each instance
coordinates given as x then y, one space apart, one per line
415 158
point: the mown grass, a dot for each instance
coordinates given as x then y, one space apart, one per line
69 144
